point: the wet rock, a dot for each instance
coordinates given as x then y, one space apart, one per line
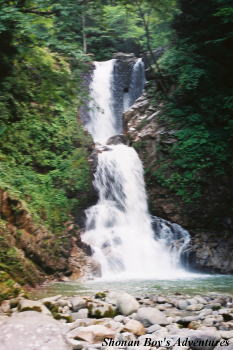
149 316
32 330
116 140
135 327
91 334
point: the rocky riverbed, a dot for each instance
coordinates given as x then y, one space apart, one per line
118 320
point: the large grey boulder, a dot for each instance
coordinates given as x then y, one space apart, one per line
149 316
126 303
31 330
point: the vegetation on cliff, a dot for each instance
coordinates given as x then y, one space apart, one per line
43 147
198 111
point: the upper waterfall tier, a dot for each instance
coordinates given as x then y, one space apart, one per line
114 87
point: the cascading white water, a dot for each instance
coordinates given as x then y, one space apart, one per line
101 124
136 85
119 227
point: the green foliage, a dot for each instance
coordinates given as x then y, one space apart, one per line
43 148
199 110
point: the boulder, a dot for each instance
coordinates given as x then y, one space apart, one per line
182 304
31 305
210 341
226 334
81 314
77 303
126 303
32 330
92 334
99 309
135 327
149 316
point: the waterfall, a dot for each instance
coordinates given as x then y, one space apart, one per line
126 241
137 83
101 124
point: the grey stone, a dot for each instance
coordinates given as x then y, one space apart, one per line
153 328
182 304
31 305
83 313
195 307
92 334
99 309
33 330
126 303
149 316
77 303
226 334
210 339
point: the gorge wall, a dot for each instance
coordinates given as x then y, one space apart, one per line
211 245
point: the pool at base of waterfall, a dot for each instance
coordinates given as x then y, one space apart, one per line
200 284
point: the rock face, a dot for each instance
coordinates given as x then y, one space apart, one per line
210 249
121 82
116 140
32 250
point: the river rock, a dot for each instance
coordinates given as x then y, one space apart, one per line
32 330
31 305
99 309
226 334
182 304
211 338
221 347
92 334
77 303
195 307
126 303
153 328
81 314
149 316
135 327
5 306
